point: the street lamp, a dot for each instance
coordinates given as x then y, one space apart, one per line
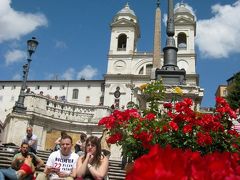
19 105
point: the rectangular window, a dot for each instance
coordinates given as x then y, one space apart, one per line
87 99
37 87
2 87
13 87
1 98
75 94
62 87
50 87
225 92
102 87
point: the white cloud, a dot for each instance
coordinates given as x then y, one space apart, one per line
51 76
219 36
17 77
15 24
60 45
69 74
165 17
14 56
87 73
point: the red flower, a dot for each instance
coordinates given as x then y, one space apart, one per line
109 122
188 101
220 101
150 116
233 132
158 164
167 105
145 137
133 113
204 139
173 125
167 163
165 129
187 129
223 107
114 138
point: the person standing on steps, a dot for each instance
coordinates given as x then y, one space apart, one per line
31 139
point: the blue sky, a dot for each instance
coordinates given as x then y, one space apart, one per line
74 38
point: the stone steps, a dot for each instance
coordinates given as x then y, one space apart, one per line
6 154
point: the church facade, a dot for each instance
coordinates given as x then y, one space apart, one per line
127 69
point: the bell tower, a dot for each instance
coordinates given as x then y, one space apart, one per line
185 32
124 32
124 36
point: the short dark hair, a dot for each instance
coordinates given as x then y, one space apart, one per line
34 160
63 133
67 137
24 143
83 136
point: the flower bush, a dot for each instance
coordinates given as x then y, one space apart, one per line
177 125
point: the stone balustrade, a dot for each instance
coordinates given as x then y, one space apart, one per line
45 114
63 110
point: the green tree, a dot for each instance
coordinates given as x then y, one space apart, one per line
233 89
155 92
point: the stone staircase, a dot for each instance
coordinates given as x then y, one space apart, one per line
6 155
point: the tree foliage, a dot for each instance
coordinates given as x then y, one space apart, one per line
233 96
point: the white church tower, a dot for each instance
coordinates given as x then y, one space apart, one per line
185 32
125 33
124 63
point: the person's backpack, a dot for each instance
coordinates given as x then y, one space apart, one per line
77 148
57 147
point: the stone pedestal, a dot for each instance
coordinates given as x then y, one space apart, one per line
15 128
116 152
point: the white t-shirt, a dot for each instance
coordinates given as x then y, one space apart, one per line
64 163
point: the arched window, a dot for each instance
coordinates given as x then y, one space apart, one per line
141 71
75 94
148 69
122 42
182 41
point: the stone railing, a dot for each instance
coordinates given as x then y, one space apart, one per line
188 91
63 110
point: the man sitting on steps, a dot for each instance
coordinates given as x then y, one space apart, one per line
61 164
23 165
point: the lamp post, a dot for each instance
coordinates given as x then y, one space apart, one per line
19 105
